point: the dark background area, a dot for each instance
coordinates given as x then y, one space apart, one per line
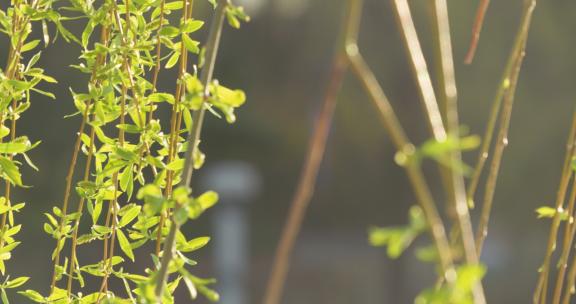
282 61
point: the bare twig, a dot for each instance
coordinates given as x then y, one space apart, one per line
420 69
540 293
516 57
396 132
569 233
448 94
314 156
476 29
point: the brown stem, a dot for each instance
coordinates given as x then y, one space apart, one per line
541 290
569 233
517 57
211 48
476 29
403 145
72 167
79 211
174 127
447 81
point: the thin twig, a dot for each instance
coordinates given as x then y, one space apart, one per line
476 29
420 69
174 125
415 174
213 42
569 233
448 94
72 167
517 57
314 156
541 287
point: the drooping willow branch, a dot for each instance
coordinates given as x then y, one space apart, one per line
420 71
476 29
569 234
417 180
541 291
211 51
314 156
510 81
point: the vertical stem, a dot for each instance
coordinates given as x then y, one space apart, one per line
476 29
448 90
72 167
211 52
314 156
569 233
425 89
420 69
540 291
415 175
517 57
174 126
80 210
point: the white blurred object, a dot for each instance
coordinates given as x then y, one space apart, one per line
237 183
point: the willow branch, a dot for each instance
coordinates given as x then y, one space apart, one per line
448 94
420 69
174 125
193 139
314 156
476 29
569 233
541 287
415 174
516 57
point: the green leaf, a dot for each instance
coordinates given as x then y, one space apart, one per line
181 215
16 282
33 295
191 26
4 296
207 199
30 45
194 244
169 31
397 239
11 171
172 60
549 212
191 45
153 198
125 244
13 147
129 216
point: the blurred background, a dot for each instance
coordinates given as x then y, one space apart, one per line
282 60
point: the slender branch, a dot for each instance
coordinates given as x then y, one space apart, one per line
572 272
211 52
174 125
79 211
415 174
541 287
503 88
448 91
425 89
569 233
72 167
314 156
113 208
517 57
420 69
476 29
